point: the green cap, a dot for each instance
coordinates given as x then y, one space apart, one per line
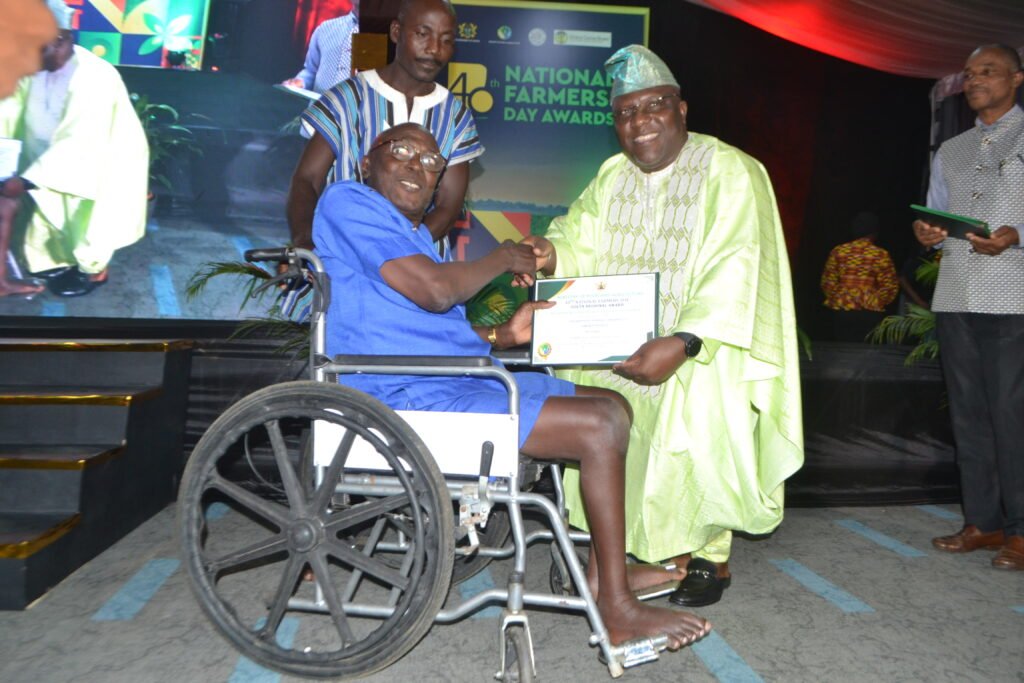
634 67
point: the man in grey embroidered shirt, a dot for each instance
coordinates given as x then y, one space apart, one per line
979 306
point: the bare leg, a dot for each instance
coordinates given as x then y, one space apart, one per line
640 576
593 429
8 207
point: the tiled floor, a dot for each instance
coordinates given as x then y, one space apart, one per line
845 594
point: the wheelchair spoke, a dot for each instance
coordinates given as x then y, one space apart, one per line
402 526
338 521
372 567
326 490
292 488
289 579
272 512
319 563
256 551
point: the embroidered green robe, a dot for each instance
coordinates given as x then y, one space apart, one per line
711 447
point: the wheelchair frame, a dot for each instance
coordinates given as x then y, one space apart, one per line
380 532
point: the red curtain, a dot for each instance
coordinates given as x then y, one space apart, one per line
311 13
919 38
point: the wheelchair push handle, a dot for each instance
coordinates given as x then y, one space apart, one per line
293 256
277 254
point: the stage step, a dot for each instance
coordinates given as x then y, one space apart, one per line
47 477
90 447
34 554
90 362
68 415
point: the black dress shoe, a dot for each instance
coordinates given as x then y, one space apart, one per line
701 586
51 273
74 283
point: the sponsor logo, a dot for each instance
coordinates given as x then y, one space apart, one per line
468 30
538 36
504 32
602 39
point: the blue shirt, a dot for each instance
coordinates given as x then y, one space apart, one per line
356 231
329 58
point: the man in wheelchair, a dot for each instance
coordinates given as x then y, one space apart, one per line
393 295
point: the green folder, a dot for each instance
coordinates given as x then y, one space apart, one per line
954 225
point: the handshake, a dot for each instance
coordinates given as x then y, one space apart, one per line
524 260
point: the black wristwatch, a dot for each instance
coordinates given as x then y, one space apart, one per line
693 343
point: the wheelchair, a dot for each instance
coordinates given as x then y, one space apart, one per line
349 521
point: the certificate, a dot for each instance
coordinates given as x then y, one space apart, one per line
597 320
955 225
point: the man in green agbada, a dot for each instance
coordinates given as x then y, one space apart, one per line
717 426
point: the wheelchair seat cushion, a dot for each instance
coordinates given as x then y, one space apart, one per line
464 394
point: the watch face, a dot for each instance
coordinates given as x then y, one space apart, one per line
693 347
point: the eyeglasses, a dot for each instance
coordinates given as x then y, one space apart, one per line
986 73
650 107
403 151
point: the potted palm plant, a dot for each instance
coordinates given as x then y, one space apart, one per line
170 141
917 324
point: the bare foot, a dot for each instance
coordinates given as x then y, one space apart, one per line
18 288
643 576
629 619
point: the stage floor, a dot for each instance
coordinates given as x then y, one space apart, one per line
840 594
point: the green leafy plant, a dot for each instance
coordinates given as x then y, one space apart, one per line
917 324
166 135
804 341
293 336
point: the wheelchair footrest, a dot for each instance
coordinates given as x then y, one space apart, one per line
636 652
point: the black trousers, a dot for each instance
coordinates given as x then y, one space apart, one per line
983 361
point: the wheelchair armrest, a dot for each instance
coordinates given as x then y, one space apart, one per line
416 361
434 366
517 355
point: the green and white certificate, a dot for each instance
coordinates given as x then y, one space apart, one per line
598 320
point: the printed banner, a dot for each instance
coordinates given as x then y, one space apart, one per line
156 33
533 74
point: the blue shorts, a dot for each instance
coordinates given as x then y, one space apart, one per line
468 394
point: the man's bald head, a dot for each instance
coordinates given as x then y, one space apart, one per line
404 164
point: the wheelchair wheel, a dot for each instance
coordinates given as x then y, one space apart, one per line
518 657
254 531
494 535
